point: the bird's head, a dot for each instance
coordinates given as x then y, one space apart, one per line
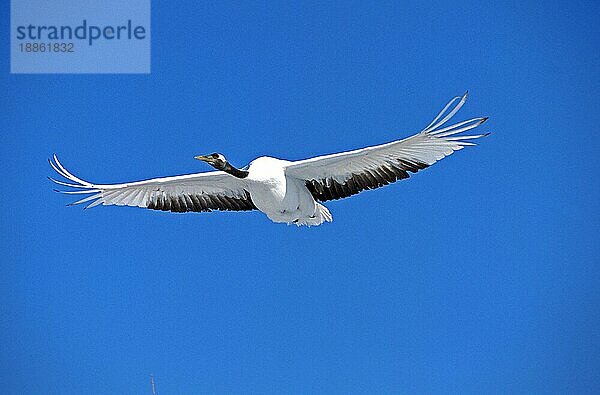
216 160
219 162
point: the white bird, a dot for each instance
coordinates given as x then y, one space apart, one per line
286 191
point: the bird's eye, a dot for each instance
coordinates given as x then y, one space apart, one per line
215 156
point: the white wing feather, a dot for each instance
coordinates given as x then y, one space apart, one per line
426 147
210 190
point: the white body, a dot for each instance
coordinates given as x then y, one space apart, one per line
283 199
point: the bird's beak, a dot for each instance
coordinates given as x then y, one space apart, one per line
203 158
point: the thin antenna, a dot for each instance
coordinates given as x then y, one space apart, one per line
152 383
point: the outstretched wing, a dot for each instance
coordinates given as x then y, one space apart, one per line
340 175
194 192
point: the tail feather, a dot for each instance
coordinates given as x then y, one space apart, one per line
324 213
321 215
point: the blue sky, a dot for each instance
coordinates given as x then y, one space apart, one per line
479 274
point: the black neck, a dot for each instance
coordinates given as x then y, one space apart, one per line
234 171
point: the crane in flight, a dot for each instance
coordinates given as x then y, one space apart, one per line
290 192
